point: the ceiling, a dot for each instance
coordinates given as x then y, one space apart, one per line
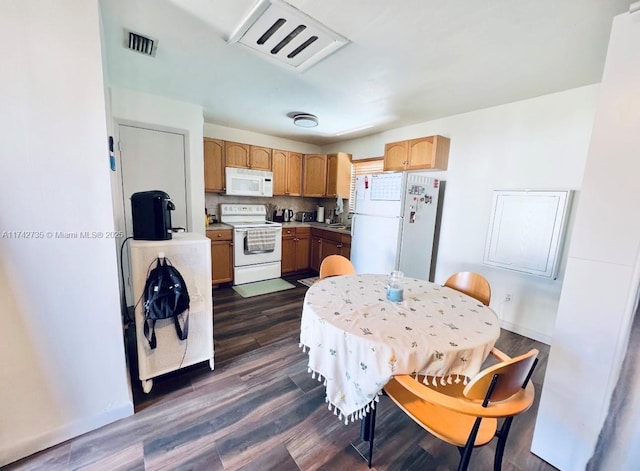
406 61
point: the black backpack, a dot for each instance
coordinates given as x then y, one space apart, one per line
165 296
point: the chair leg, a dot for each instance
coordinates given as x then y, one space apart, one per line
465 453
502 442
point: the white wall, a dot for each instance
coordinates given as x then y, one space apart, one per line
602 276
62 363
165 114
537 144
247 137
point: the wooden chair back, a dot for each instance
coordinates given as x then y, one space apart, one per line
512 375
471 284
336 265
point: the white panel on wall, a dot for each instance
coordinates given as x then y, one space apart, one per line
526 230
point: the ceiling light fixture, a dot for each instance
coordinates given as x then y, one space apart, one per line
305 120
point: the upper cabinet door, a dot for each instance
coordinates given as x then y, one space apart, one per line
294 174
279 169
396 155
213 165
420 153
236 154
338 175
259 158
315 175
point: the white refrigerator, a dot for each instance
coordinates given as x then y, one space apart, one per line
396 223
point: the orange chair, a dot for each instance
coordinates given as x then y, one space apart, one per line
467 416
336 265
472 284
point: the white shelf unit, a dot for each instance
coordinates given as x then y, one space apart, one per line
191 254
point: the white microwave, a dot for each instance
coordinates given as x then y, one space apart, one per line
246 182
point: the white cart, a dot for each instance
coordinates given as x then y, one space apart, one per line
190 253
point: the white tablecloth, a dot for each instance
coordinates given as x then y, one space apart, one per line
357 340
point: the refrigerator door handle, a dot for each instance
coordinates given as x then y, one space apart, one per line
353 225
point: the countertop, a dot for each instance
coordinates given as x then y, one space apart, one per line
318 225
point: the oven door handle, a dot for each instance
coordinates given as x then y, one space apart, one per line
244 231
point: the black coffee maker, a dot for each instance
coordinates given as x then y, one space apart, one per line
151 215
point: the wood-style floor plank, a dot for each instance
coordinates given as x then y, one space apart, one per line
261 410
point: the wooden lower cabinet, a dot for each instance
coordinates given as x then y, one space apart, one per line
221 256
325 243
295 249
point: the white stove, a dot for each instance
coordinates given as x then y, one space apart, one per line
257 243
245 215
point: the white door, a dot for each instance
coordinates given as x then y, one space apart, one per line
374 243
153 160
150 160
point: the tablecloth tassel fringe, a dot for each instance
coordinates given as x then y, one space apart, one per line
376 398
442 381
308 370
320 378
313 375
466 381
433 381
373 404
449 380
457 379
367 409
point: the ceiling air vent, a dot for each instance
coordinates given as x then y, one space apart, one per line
281 33
142 44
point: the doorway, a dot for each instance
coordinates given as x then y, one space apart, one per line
149 159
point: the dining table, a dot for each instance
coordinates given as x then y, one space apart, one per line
357 339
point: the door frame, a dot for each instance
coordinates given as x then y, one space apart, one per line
119 199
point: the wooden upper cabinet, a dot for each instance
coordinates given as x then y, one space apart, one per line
294 176
213 165
396 155
279 162
314 175
338 175
287 173
236 154
259 158
247 156
430 152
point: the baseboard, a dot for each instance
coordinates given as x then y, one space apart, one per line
532 334
16 451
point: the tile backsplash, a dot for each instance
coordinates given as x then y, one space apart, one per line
296 203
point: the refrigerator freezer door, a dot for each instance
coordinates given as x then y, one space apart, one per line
374 243
379 194
420 227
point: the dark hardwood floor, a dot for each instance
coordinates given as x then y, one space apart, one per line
260 410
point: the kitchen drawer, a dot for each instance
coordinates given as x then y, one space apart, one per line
289 232
220 234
